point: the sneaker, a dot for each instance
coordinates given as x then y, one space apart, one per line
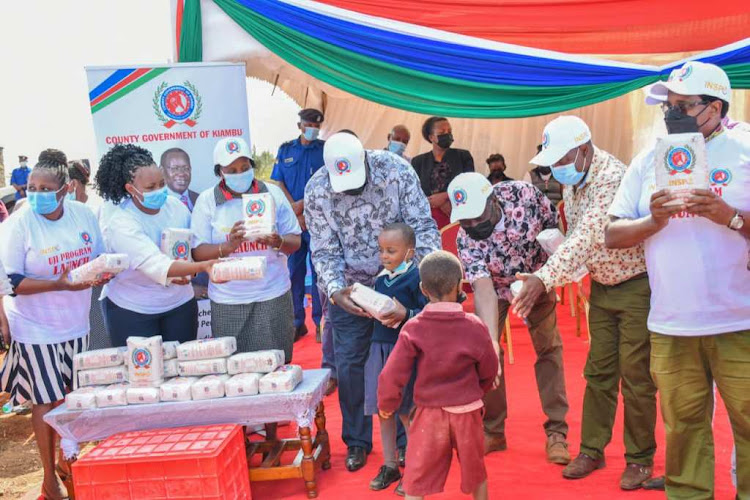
634 476
557 449
582 466
386 477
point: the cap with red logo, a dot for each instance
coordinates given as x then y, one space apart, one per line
344 159
468 193
229 149
560 136
693 78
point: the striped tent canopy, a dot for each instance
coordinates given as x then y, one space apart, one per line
453 57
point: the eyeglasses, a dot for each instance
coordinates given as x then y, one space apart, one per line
682 106
180 169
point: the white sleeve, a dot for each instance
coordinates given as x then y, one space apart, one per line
13 247
125 235
286 221
200 222
625 204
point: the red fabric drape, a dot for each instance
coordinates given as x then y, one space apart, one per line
576 26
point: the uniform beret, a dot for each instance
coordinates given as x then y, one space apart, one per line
311 115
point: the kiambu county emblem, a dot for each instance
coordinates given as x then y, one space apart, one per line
679 160
177 104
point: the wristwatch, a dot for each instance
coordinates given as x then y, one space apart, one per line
737 222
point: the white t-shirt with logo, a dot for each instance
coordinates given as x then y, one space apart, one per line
143 288
698 270
41 249
211 224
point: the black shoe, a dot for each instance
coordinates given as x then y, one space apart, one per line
300 332
402 457
356 458
655 483
318 335
400 489
386 477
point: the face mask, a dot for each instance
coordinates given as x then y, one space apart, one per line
311 133
481 231
396 147
23 163
679 123
44 203
154 200
240 183
445 140
567 174
71 196
545 170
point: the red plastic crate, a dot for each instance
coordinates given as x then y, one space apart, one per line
206 462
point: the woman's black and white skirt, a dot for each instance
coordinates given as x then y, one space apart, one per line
42 373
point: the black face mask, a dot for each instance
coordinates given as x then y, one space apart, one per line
545 170
679 123
445 140
355 192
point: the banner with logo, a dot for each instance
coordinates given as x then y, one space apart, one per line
177 111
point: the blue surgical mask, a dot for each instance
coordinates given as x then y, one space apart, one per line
44 203
396 147
311 133
240 183
567 174
154 200
71 196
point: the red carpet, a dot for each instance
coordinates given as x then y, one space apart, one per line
521 471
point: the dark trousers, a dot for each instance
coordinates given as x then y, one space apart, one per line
550 376
619 360
297 264
180 324
352 336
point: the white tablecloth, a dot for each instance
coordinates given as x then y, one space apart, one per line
97 424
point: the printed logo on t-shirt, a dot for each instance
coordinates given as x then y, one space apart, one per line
720 176
86 237
141 358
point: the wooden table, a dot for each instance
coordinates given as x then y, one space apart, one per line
303 405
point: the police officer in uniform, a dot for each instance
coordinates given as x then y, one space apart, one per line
296 161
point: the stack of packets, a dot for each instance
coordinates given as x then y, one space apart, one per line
175 244
196 370
239 268
260 215
550 240
106 265
681 164
371 301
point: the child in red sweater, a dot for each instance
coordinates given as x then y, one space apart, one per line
456 365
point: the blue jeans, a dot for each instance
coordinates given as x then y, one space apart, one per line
352 335
180 324
329 355
297 264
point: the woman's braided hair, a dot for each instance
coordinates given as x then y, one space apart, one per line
55 162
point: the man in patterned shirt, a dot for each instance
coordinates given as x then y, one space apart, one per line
620 295
347 204
497 239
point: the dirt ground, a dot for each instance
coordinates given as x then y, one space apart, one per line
20 468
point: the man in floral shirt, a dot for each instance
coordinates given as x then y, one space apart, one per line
497 240
347 205
620 296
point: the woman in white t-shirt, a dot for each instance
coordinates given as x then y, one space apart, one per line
47 315
143 300
258 313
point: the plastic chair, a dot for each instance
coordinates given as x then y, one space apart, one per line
448 235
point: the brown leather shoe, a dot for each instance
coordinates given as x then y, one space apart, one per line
582 466
494 443
557 449
634 476
332 386
655 483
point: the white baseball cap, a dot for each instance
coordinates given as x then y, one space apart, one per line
468 193
693 78
229 149
560 136
344 158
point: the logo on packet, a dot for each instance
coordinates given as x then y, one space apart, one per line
180 250
679 160
256 208
141 358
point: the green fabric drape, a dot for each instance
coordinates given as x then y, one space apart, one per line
191 36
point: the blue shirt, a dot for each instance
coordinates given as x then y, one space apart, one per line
296 163
405 289
20 177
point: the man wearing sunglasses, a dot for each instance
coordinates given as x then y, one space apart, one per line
697 260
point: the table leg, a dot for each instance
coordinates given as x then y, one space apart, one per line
308 462
322 435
